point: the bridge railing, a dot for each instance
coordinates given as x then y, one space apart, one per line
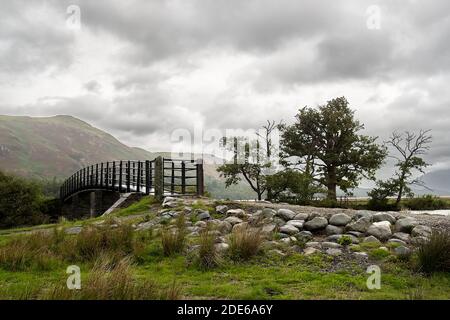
160 177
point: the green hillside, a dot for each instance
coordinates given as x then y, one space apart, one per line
44 147
49 147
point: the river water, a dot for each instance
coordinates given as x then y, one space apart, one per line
431 212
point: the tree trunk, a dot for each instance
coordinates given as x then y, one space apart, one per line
399 196
331 184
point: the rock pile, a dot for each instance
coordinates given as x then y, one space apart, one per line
331 233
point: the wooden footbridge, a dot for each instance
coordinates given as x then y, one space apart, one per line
158 177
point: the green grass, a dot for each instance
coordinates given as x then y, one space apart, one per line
263 276
140 207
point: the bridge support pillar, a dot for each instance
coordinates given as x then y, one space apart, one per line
96 203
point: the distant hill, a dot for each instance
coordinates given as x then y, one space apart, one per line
56 147
45 147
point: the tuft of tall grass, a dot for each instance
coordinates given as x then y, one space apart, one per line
433 255
34 251
112 282
208 256
44 250
174 239
244 243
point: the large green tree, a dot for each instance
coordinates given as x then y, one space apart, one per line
325 142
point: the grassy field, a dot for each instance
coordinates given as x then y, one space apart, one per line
118 263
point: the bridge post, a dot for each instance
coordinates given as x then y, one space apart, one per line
200 183
159 178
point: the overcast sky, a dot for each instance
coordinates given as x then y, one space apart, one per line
140 69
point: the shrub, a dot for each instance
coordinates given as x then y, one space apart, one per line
381 205
345 240
434 255
208 255
173 239
244 243
20 202
426 202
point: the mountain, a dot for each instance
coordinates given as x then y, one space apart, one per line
45 147
438 181
48 147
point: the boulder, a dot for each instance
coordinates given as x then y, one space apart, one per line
330 229
313 244
421 231
286 214
268 228
332 245
371 239
296 223
333 252
222 209
363 214
402 251
268 213
340 219
282 235
289 229
361 255
381 230
278 221
301 216
200 224
222 246
239 226
405 224
316 223
224 227
233 220
171 202
397 241
356 233
337 237
236 213
360 225
402 236
304 236
383 216
309 251
204 215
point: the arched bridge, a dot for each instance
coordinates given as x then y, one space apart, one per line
159 177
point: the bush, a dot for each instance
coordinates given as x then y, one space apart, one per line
345 240
244 243
208 255
381 205
20 202
434 255
173 239
426 202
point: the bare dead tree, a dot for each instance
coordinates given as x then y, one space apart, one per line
411 147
